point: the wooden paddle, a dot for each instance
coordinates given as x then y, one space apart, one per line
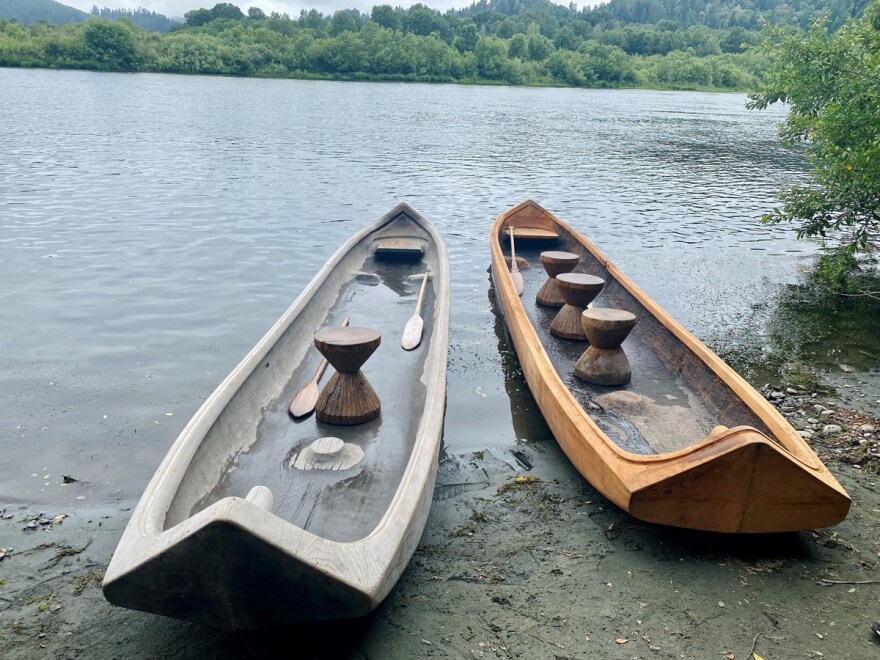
412 332
515 275
304 401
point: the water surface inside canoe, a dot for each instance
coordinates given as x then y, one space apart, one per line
346 504
152 228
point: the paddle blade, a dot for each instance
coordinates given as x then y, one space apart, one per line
412 333
304 401
518 283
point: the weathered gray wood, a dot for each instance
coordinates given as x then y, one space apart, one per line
303 402
233 564
401 246
412 332
327 454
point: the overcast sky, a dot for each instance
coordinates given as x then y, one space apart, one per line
177 8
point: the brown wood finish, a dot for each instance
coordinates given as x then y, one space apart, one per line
303 402
555 263
348 398
756 475
578 290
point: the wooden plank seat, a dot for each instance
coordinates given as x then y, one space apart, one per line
538 233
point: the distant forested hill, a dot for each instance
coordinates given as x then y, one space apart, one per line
149 20
31 11
748 14
28 12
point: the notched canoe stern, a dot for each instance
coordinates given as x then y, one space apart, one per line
223 575
744 483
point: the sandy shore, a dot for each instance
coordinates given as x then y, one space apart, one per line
514 563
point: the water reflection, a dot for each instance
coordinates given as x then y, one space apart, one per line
805 326
528 423
153 227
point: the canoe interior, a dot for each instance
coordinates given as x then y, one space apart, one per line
252 441
680 400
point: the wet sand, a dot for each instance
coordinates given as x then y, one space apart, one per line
514 563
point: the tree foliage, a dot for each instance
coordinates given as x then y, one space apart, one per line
830 82
532 42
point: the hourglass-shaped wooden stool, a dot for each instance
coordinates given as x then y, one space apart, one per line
604 362
578 290
555 263
347 398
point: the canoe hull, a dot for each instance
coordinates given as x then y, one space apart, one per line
735 480
232 564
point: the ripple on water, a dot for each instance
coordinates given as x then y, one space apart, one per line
153 227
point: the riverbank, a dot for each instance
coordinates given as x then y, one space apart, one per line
520 558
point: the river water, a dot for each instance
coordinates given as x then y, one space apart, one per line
153 227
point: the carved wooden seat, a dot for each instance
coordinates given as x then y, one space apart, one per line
604 362
578 290
348 397
555 263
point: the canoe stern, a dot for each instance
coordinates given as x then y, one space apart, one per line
224 575
744 483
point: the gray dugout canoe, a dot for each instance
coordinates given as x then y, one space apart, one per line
203 546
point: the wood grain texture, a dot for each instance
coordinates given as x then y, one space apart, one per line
578 290
737 480
412 331
236 565
303 402
555 263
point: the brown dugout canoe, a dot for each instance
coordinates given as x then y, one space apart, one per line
687 442
254 519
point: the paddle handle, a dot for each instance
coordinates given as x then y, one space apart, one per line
513 267
422 293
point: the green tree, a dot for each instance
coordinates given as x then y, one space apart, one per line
112 43
518 46
345 20
491 53
539 47
386 16
467 38
831 86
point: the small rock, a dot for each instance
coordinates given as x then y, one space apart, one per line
825 413
818 407
812 420
805 434
777 395
790 390
831 429
867 428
